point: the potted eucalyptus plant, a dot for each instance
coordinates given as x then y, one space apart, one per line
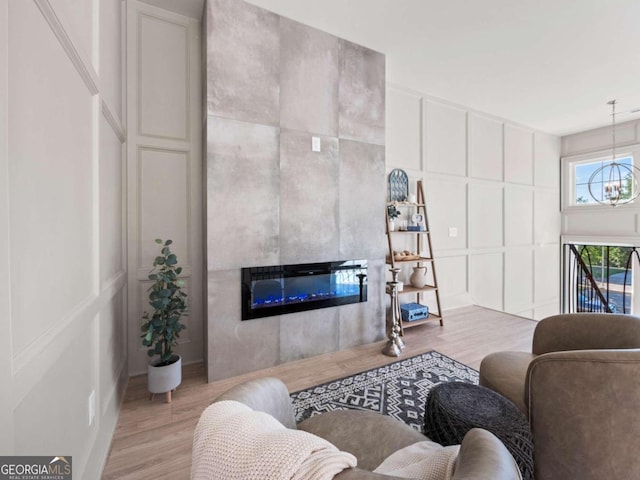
162 328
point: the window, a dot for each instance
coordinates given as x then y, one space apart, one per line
599 276
582 172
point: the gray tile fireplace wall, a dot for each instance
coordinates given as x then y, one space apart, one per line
272 84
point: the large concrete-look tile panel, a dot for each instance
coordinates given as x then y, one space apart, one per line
237 347
361 203
243 185
361 94
243 62
309 333
362 323
308 199
308 79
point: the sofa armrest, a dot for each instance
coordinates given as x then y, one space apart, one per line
583 411
268 395
483 457
586 331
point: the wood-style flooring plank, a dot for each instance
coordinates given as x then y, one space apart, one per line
153 439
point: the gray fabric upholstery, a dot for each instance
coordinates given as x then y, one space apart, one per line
586 331
360 433
581 394
505 373
372 437
583 409
483 456
268 395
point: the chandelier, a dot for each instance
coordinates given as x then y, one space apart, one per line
614 183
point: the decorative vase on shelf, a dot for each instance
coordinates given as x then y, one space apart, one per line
418 278
392 226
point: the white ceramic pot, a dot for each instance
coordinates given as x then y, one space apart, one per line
392 226
166 378
418 278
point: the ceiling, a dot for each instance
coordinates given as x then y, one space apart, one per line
548 64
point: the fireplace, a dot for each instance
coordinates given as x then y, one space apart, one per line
281 289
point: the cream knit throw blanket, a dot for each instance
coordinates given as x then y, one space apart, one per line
232 442
423 461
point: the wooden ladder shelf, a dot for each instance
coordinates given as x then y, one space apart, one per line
422 258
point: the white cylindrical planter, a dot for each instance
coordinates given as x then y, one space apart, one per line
166 378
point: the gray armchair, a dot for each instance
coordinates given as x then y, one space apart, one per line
371 437
581 391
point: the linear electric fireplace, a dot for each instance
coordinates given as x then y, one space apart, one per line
281 289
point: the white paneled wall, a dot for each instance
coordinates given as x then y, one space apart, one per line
62 287
164 164
494 182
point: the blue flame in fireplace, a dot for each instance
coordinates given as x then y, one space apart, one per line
343 290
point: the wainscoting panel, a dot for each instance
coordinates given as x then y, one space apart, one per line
518 279
546 217
163 74
486 280
35 409
404 129
163 212
111 171
546 162
110 48
452 279
485 148
51 214
445 138
518 155
454 193
77 18
547 277
486 215
518 216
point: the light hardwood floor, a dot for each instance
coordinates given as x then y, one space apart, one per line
153 439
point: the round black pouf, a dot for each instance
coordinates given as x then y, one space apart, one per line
454 408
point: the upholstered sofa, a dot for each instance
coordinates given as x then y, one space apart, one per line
580 388
372 437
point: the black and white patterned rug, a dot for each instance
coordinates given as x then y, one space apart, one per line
398 389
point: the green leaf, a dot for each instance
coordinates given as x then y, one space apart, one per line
158 240
151 352
172 259
168 242
153 276
159 261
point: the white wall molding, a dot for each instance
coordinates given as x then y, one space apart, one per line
68 136
114 122
514 177
7 442
174 20
83 66
52 343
